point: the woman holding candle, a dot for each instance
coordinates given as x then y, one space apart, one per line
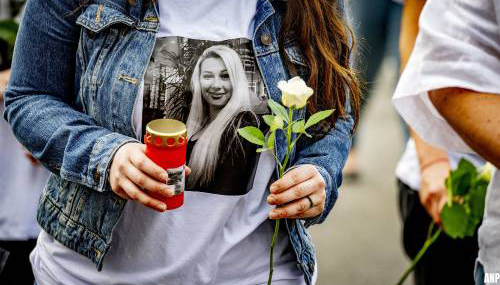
85 101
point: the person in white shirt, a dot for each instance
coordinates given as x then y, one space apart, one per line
449 95
21 180
421 174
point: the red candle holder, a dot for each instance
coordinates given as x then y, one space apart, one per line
166 144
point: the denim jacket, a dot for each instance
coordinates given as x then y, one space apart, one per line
74 82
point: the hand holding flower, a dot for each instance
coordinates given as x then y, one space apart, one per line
464 207
292 191
301 192
433 193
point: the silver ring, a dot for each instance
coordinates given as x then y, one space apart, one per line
311 203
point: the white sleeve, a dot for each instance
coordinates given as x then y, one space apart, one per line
458 46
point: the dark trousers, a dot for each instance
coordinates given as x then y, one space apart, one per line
17 269
447 261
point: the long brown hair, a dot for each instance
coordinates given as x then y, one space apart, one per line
327 43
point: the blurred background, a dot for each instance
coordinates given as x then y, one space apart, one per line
360 243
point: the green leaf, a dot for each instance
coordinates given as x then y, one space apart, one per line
454 219
271 140
467 166
460 183
476 199
461 178
278 110
253 135
259 150
298 127
8 31
278 123
472 224
274 122
269 119
318 117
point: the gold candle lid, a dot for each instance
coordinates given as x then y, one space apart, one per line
166 133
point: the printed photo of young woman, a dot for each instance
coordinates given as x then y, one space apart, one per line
215 88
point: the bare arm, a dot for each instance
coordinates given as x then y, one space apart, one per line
409 31
474 116
434 164
409 28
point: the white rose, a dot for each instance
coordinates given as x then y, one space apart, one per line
295 92
486 172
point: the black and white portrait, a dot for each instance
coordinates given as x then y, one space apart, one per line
215 88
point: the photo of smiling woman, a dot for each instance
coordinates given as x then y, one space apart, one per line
221 100
214 87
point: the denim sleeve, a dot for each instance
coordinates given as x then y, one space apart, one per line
329 155
40 98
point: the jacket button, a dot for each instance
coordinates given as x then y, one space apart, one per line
266 39
91 34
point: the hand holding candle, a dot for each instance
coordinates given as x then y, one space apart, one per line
133 176
141 172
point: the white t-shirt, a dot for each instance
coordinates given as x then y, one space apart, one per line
222 234
458 46
408 168
20 186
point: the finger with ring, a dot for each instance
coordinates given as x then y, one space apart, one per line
311 213
291 209
311 203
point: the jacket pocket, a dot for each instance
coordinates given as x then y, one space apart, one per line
102 25
97 17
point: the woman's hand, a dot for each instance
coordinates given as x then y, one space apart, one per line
432 193
292 192
134 176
